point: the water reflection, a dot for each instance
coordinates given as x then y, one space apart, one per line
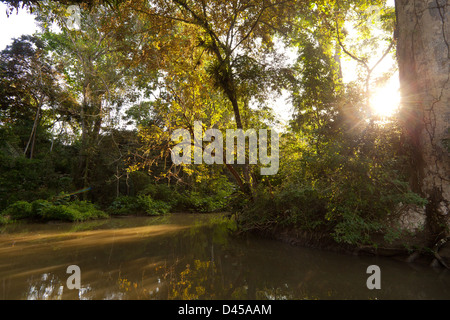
190 257
49 287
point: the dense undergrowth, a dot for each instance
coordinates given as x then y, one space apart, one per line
349 192
153 201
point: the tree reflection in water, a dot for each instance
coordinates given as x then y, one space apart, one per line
49 287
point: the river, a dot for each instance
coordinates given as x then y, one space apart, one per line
191 256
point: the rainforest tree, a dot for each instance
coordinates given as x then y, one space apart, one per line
424 64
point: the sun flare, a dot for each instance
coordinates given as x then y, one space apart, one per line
385 101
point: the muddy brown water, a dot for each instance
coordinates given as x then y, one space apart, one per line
192 256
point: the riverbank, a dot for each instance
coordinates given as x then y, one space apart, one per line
407 249
155 201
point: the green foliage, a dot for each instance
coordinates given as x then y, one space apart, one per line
4 220
355 229
209 192
154 199
19 210
125 205
161 192
30 179
292 207
44 210
62 212
153 207
302 206
194 201
139 205
43 176
157 199
350 193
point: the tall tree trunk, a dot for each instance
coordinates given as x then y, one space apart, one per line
423 30
228 86
247 186
32 139
83 160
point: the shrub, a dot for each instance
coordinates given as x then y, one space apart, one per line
19 210
143 204
198 202
46 210
23 179
124 205
302 207
60 212
212 198
153 207
162 192
39 207
87 209
4 220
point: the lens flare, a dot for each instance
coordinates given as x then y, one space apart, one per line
385 101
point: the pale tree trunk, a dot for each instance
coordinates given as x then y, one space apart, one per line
32 139
423 31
